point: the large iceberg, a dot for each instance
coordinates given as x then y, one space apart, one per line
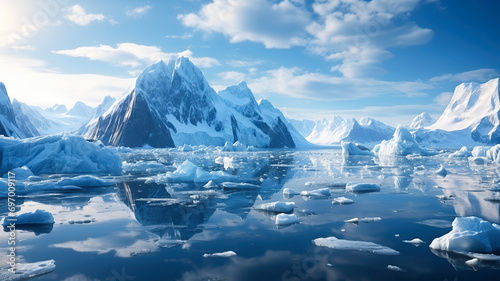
470 235
350 148
402 144
63 153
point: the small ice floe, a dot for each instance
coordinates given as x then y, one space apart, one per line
365 220
239 185
143 166
350 148
436 223
462 153
471 236
289 192
441 171
395 268
28 270
85 181
226 254
415 241
278 206
362 187
169 243
39 217
342 200
210 184
189 172
286 219
322 192
472 262
352 245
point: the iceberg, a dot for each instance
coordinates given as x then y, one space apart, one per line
28 270
362 187
240 185
441 171
21 173
35 218
226 254
189 172
290 192
286 219
402 144
349 148
278 207
143 166
84 181
342 200
58 154
463 152
468 236
414 241
317 192
352 245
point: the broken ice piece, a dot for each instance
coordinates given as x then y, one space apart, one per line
414 241
286 219
278 206
352 245
226 254
342 200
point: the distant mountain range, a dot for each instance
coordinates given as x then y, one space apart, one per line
172 104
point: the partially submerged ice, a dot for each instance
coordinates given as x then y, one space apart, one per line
278 207
189 172
39 217
226 254
470 236
58 154
402 144
362 187
352 245
28 270
350 148
286 219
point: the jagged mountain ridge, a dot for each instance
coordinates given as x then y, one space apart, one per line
12 122
172 104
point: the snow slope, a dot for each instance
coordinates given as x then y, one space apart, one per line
337 130
172 104
11 125
474 108
422 120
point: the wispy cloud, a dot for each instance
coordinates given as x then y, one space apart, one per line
183 36
132 55
78 15
138 11
53 86
478 75
294 82
355 35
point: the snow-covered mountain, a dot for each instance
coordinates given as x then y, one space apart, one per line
172 104
421 121
80 109
474 108
337 129
57 109
304 127
12 123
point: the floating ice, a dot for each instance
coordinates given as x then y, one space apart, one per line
21 173
316 192
463 152
189 172
414 241
278 206
470 235
286 219
85 181
143 166
288 191
472 262
441 171
169 243
28 270
241 185
362 187
210 184
226 254
349 148
352 245
367 219
395 268
342 200
61 153
401 144
34 218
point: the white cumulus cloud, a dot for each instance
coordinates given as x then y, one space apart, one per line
78 15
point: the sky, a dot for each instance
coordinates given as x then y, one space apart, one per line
385 59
